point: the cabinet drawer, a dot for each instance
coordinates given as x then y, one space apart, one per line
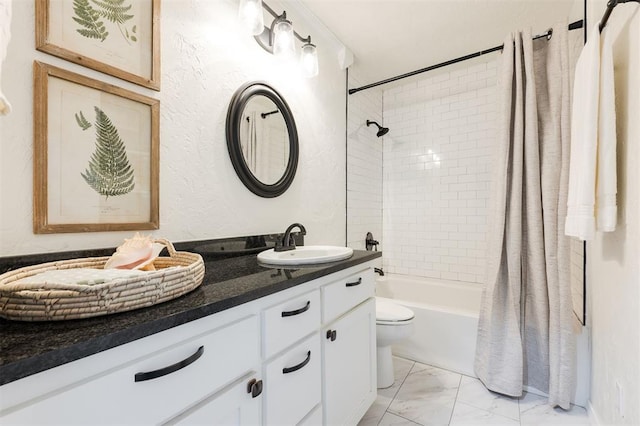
293 383
290 321
341 296
116 398
232 405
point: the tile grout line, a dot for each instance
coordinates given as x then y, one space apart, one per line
517 399
409 420
455 401
386 410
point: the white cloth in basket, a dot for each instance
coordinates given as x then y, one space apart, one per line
80 276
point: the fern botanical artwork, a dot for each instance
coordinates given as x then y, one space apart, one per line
117 37
91 16
96 155
109 172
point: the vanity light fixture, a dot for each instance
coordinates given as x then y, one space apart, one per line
279 38
251 16
309 58
283 42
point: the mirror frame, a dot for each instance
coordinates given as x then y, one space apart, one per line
234 119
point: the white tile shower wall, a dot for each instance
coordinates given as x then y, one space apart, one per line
364 166
437 173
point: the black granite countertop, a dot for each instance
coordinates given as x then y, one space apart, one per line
27 348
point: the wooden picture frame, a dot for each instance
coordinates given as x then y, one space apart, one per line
96 155
122 41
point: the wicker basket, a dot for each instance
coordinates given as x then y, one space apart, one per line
52 302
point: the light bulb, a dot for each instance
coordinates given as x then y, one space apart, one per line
309 60
283 43
251 16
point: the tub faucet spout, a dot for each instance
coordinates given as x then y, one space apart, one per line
288 242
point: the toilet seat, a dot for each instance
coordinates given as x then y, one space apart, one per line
391 313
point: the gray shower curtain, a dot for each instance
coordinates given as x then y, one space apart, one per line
525 333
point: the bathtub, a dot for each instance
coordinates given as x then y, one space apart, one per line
446 319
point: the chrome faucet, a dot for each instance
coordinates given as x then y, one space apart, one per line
288 242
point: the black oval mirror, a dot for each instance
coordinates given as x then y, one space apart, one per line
262 139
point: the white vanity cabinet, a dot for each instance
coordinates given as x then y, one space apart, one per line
305 355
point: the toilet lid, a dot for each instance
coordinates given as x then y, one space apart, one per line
387 310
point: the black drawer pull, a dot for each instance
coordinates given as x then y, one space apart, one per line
297 311
150 375
355 283
331 335
254 387
288 370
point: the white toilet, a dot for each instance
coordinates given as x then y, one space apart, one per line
393 323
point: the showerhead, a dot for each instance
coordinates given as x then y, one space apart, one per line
381 130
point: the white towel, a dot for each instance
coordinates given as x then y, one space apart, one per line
592 170
80 276
5 36
606 178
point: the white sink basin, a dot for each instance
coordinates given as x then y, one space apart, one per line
305 255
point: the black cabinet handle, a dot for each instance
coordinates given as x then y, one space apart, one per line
254 387
332 335
288 370
150 375
355 283
297 311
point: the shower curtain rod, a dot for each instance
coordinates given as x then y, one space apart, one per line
573 26
610 5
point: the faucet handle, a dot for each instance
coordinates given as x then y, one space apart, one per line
370 242
289 241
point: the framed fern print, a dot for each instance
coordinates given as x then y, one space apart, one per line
116 37
96 155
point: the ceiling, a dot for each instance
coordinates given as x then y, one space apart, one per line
392 37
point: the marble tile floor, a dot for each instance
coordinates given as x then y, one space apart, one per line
430 396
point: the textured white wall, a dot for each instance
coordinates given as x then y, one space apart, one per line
205 58
613 259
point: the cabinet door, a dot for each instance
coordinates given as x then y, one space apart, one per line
233 405
350 365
